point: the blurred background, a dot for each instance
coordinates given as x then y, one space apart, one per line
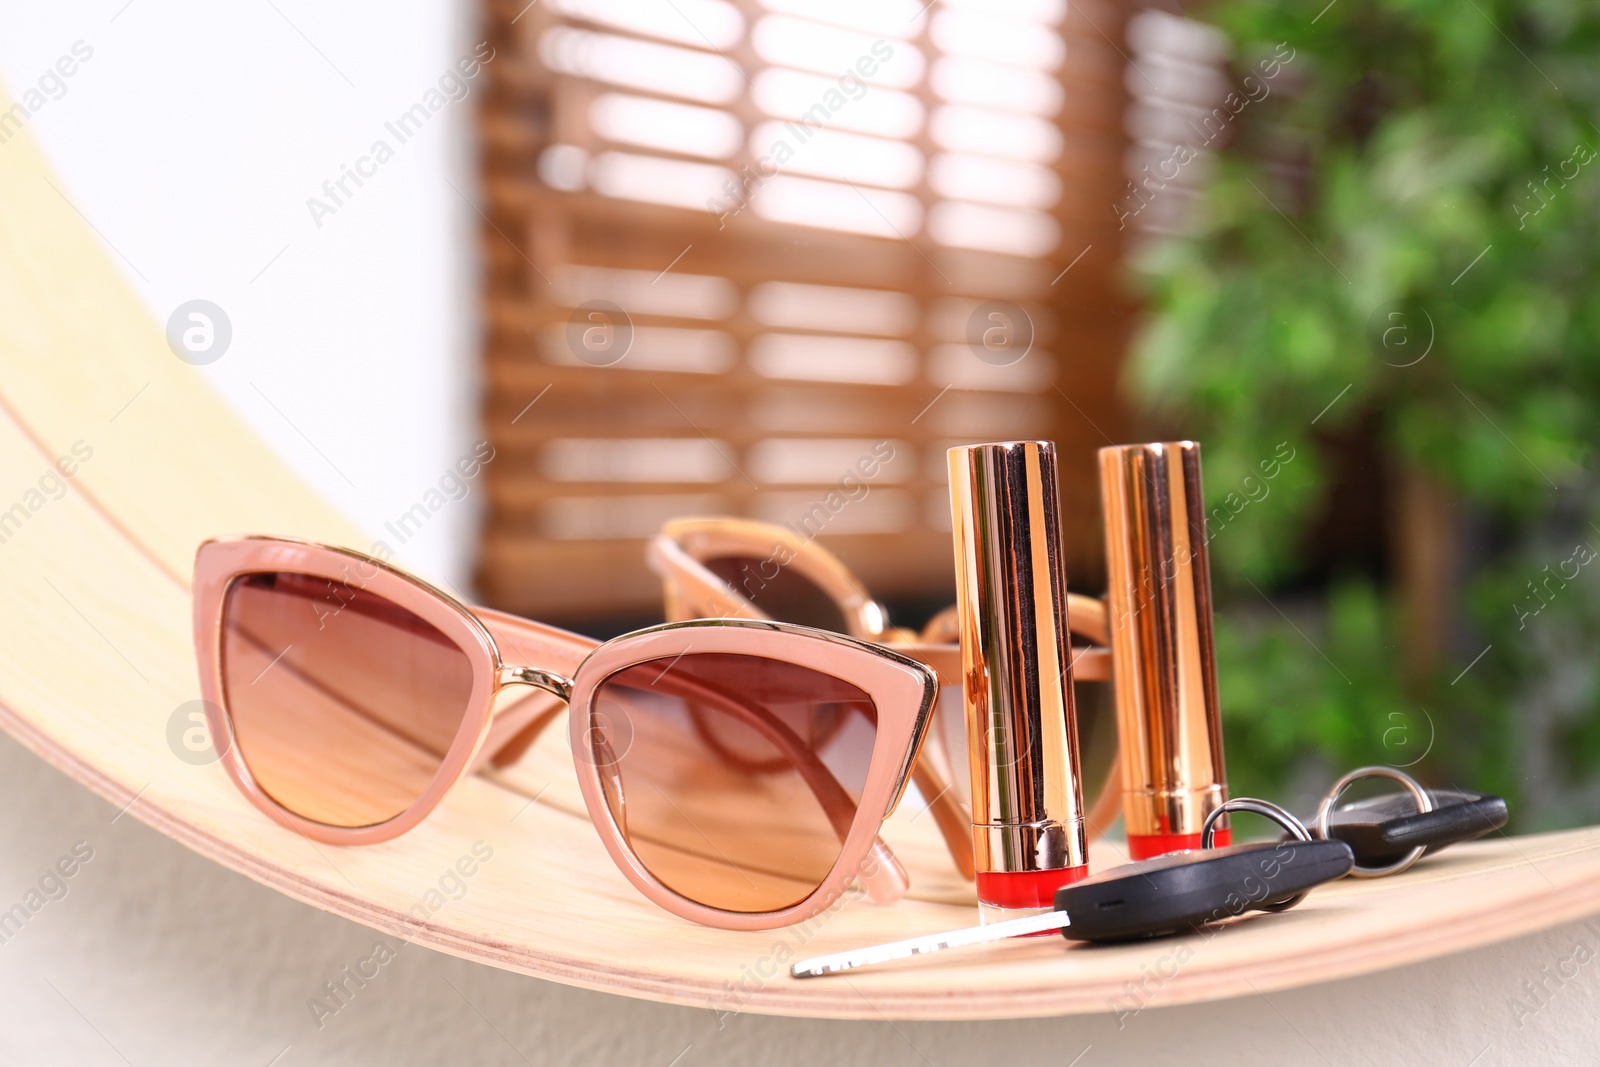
744 244
728 248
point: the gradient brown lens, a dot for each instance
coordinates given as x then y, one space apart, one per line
733 778
343 703
782 592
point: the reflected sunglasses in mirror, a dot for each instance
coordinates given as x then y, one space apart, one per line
747 569
737 771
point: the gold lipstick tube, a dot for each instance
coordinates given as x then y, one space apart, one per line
1158 578
1022 741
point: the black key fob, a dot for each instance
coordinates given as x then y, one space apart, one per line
1179 891
1381 830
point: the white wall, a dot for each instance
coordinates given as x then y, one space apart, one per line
192 138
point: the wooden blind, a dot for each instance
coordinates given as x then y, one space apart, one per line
1177 119
740 254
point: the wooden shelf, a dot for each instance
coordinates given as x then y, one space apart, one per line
96 665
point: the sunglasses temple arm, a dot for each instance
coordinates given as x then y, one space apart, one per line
514 729
1090 663
691 589
949 814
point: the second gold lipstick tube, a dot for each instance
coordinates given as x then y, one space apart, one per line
1158 578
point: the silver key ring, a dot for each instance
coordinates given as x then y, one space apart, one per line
1266 808
1325 814
1256 807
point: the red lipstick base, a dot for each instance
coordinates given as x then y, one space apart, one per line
1148 846
1025 889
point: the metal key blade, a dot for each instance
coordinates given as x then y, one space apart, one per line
916 946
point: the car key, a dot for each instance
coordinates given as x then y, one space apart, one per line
1382 829
1170 894
1391 832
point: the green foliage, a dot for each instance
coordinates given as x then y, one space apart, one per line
1404 237
1337 700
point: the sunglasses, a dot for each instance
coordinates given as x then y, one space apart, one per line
743 568
737 770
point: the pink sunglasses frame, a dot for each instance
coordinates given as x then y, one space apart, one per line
570 668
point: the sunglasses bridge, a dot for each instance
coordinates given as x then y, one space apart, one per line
549 681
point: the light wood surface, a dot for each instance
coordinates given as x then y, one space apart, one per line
95 661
